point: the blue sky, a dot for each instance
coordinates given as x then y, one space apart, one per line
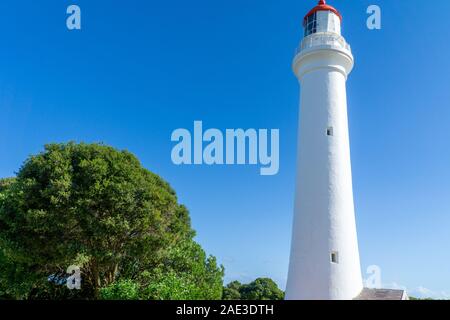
140 69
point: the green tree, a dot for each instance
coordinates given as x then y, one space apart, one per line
186 273
121 290
96 207
232 291
260 289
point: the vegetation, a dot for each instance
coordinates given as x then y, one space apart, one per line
260 289
95 207
424 299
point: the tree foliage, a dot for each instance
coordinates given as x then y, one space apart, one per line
93 206
260 289
232 291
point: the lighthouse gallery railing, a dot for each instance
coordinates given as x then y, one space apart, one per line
323 38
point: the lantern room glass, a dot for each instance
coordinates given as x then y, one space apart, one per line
311 24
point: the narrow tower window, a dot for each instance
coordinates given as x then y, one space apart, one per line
330 131
334 257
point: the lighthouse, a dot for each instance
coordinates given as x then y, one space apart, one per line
324 261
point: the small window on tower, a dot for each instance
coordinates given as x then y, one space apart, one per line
334 257
330 131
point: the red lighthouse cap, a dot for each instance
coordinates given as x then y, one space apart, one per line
322 6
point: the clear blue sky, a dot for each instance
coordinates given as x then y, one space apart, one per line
140 69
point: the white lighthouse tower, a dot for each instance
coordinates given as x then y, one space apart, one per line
324 261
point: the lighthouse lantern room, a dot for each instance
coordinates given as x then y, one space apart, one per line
322 18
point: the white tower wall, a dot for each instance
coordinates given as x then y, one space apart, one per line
327 22
324 260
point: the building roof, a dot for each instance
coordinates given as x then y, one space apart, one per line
381 294
322 6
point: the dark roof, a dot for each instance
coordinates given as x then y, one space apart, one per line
381 294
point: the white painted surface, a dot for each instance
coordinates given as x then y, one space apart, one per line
327 21
324 218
